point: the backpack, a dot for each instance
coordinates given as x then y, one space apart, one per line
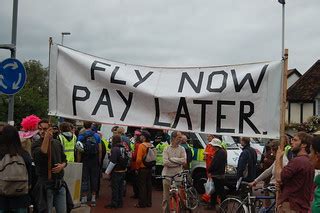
13 176
91 148
124 158
128 152
149 160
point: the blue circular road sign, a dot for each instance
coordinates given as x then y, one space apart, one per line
12 76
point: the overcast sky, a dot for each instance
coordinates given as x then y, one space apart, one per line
167 32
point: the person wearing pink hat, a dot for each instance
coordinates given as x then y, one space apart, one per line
29 129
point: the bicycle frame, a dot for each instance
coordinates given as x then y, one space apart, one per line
174 197
248 200
177 195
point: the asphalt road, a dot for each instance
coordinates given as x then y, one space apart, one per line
128 204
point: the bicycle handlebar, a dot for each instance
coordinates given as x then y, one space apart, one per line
271 188
184 172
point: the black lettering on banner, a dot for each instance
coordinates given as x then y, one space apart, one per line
100 102
127 102
141 79
156 119
77 98
220 116
254 88
195 87
182 105
203 103
113 75
245 116
224 82
95 67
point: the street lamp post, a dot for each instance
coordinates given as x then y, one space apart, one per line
64 34
283 2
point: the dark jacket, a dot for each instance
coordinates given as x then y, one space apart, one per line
115 157
21 201
218 164
41 159
247 159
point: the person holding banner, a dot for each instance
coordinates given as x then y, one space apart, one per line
296 181
49 191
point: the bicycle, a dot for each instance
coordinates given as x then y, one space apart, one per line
183 198
251 203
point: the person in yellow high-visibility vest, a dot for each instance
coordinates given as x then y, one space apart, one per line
106 144
68 141
159 160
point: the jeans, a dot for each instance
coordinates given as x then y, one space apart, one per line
57 198
117 181
90 175
20 210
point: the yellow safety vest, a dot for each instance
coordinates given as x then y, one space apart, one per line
68 146
132 146
160 147
106 143
200 155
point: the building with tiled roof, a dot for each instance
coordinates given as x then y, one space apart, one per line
303 96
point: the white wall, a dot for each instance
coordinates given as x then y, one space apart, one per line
295 113
307 111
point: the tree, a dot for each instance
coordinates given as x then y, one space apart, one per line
34 96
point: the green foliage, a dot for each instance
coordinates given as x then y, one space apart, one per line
33 98
310 126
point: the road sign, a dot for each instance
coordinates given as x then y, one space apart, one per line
12 76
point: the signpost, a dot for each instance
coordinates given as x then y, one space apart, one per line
12 76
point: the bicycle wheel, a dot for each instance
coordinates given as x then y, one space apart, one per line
174 205
192 198
233 205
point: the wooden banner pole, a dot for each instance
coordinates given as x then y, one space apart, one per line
282 121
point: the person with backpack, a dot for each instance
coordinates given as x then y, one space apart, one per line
15 172
68 140
134 168
174 157
50 190
116 170
146 159
91 155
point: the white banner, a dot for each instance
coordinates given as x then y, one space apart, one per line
229 100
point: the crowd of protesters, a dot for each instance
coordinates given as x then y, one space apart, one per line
46 149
